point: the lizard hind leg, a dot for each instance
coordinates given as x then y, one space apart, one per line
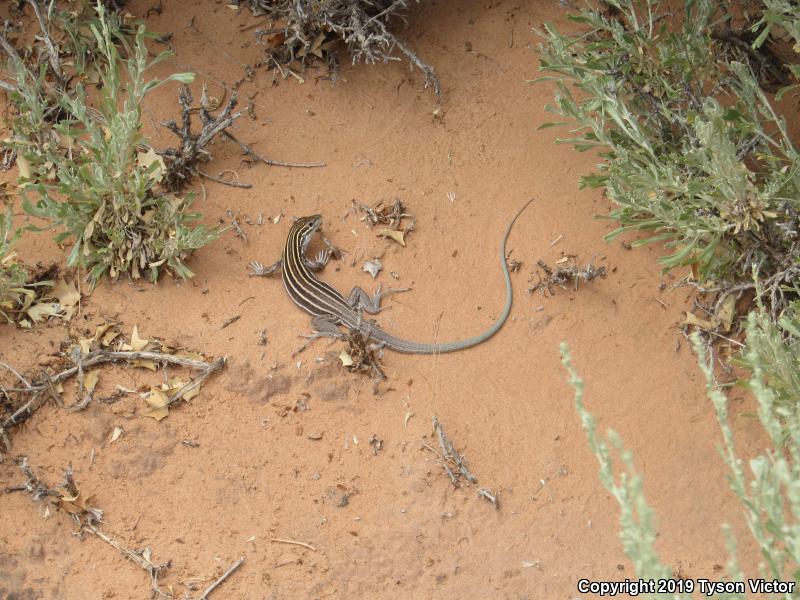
362 301
325 326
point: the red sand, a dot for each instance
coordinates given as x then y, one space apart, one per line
401 531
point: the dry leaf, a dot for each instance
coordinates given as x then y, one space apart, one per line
85 345
67 296
137 343
109 337
77 505
397 236
144 363
346 359
146 159
24 168
191 355
43 310
157 402
90 380
726 311
192 393
692 319
373 267
116 434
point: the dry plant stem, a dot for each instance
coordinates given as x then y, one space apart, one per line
99 357
293 542
204 374
224 576
490 496
32 485
152 570
450 454
12 54
450 474
24 381
236 184
39 490
52 53
181 162
772 286
430 74
273 163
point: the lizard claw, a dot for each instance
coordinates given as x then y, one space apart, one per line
257 269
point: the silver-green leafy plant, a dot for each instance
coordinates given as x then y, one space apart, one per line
770 494
12 275
692 151
93 184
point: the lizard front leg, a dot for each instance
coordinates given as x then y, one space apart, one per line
259 270
318 262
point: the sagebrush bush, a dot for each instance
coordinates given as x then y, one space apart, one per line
90 166
692 149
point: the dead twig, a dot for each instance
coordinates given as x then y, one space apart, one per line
52 51
267 161
44 387
181 162
490 496
450 456
141 558
565 271
71 501
236 184
222 578
293 542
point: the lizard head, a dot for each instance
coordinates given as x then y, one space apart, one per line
306 227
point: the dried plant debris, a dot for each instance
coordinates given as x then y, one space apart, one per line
311 28
107 345
66 496
182 162
31 297
362 357
566 270
453 463
392 216
490 496
87 516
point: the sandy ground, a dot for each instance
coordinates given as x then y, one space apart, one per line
385 525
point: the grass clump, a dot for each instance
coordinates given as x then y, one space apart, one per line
694 153
91 167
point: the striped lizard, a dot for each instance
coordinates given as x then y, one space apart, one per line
330 309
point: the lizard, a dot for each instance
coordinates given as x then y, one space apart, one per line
330 309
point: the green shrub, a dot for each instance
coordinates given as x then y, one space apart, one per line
104 196
692 150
